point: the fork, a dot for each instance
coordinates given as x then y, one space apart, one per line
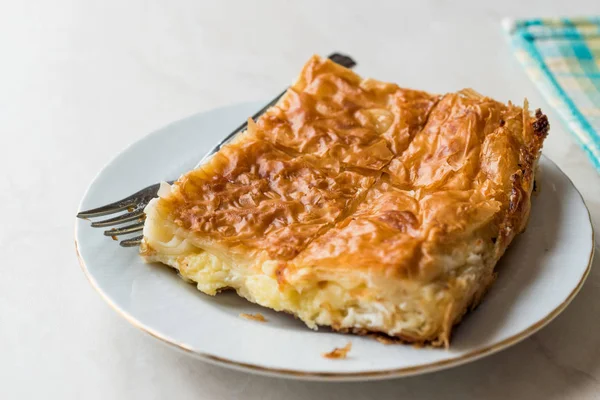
136 203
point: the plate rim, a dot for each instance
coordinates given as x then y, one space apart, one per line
330 376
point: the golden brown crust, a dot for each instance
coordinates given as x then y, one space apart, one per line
332 113
253 197
464 181
345 174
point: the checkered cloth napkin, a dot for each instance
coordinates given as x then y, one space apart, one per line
562 57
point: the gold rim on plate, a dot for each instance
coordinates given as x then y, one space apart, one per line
383 374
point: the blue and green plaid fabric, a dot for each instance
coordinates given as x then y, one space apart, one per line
562 57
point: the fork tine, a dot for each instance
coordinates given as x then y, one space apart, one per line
111 208
137 200
126 229
119 219
105 210
134 241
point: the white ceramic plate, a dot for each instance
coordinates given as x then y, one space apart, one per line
539 275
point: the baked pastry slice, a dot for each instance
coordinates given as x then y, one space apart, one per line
356 204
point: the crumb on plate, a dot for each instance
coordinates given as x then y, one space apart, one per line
254 317
339 352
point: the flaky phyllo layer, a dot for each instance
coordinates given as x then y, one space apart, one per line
356 204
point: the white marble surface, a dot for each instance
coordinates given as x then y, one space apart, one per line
82 79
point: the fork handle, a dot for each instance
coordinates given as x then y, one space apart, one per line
338 58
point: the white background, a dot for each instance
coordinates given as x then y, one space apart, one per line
80 80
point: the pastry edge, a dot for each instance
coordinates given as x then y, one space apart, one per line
514 223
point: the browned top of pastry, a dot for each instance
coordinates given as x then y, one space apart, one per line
352 173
